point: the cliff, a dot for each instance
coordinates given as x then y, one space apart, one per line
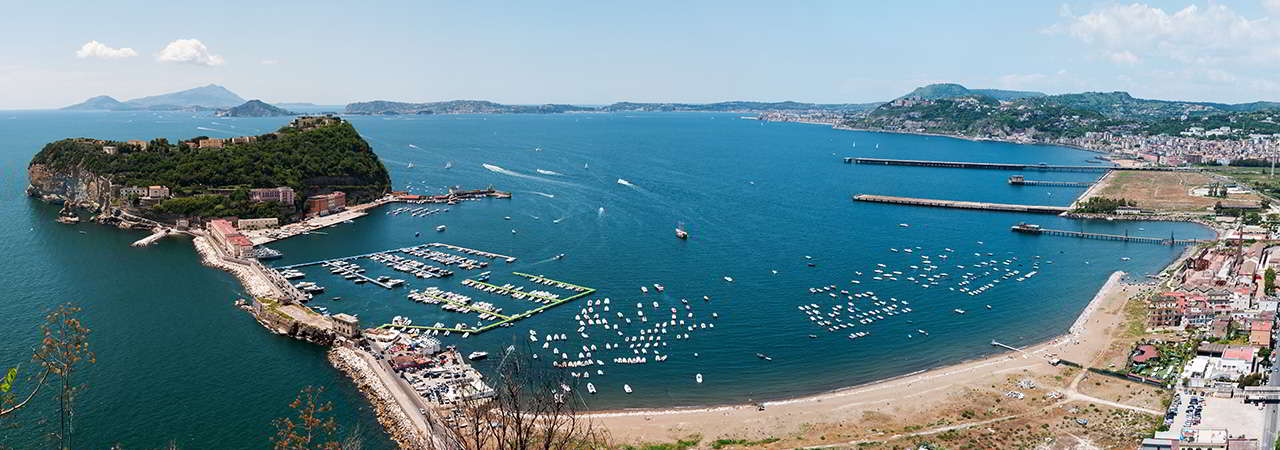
74 186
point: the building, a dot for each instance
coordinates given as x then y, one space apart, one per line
108 149
244 139
135 191
157 192
140 144
210 143
226 235
1260 332
319 205
282 195
257 224
346 325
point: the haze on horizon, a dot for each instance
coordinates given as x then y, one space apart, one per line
598 53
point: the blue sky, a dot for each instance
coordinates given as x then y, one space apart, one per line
53 54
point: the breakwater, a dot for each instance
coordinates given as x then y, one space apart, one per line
1039 209
388 412
977 165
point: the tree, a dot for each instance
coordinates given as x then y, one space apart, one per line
63 348
530 410
312 430
1269 281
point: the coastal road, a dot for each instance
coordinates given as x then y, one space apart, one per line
408 399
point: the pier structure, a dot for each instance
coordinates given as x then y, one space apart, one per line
978 165
1019 180
1038 209
1036 229
1007 166
403 249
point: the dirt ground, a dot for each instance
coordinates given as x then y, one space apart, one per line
1161 191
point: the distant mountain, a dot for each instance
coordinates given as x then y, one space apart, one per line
457 107
953 90
255 108
101 102
487 107
200 98
1122 105
738 106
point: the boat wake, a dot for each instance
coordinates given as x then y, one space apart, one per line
600 212
498 169
215 129
549 172
544 194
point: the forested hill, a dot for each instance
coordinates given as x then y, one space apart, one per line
317 159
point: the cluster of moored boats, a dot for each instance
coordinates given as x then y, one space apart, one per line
410 266
455 302
473 252
420 211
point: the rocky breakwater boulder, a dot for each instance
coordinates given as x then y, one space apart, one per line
388 412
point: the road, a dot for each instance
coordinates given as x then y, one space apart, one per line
1270 416
410 402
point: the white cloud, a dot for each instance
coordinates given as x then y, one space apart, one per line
1123 57
270 62
95 49
190 51
1213 34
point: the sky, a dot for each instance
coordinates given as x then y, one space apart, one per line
54 54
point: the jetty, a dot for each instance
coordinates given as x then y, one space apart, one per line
1038 209
1036 229
1042 167
977 165
581 291
157 235
1019 180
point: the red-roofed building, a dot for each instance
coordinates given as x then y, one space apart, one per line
1145 353
319 205
226 235
1260 333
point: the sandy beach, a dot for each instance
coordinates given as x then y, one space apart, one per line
1087 338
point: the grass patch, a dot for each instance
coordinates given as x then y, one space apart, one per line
681 444
722 443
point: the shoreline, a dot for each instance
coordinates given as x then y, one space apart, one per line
1075 329
1085 337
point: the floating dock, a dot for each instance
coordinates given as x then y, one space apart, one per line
1036 229
1019 180
1038 209
507 320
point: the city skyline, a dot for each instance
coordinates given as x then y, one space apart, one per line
598 54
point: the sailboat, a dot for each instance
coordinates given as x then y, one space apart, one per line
448 165
410 165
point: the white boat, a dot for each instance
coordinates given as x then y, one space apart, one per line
626 388
698 377
448 164
441 228
903 225
729 279
958 311
477 356
591 388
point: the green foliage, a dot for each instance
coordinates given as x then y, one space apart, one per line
1103 205
313 161
722 443
1253 379
215 205
7 384
682 444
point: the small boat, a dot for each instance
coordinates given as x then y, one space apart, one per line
699 378
506 218
591 388
903 225
644 289
626 388
729 279
441 228
410 165
448 164
764 356
475 356
680 233
958 311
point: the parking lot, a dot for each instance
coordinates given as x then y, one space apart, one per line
1232 414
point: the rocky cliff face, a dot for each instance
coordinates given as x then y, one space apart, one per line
76 186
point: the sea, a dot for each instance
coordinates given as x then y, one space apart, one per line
767 205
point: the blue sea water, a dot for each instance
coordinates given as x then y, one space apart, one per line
607 191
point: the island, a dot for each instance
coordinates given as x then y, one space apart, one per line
255 108
144 183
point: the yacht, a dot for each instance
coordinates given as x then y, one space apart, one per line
441 228
958 311
729 279
699 378
591 388
475 356
626 388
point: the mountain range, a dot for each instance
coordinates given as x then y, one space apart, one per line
208 97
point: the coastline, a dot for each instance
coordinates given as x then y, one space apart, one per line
1108 287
